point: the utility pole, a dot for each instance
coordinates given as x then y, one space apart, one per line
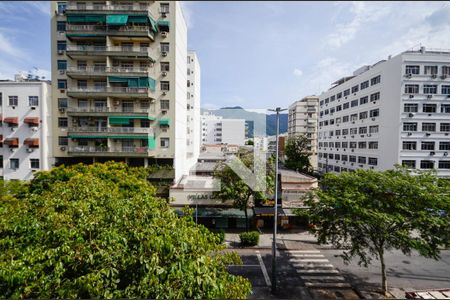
275 210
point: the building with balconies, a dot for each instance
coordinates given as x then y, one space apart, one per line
25 121
119 73
396 111
302 120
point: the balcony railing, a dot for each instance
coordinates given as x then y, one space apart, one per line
121 49
113 7
139 130
120 90
128 29
102 70
105 109
124 149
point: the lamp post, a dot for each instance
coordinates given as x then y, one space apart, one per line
275 211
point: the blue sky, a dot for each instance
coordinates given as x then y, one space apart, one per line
259 54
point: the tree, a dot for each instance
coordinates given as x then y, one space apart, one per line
368 212
98 232
235 189
297 154
250 142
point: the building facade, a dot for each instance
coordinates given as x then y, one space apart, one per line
396 111
25 137
120 71
193 108
217 130
302 120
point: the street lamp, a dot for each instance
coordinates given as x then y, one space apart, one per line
275 212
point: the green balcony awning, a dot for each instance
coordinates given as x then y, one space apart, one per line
128 137
138 19
144 82
85 34
164 122
118 79
86 19
124 120
151 143
117 19
153 24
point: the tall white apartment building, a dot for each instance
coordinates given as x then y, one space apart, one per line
119 70
193 108
217 130
396 111
302 120
25 136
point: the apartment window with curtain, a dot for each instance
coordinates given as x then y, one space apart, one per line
164 142
165 104
62 84
409 164
13 100
429 127
411 107
61 26
63 141
165 47
413 70
33 100
61 45
165 86
430 89
445 89
14 163
62 103
34 163
411 88
431 70
409 145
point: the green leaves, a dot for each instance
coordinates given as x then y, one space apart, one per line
297 154
98 232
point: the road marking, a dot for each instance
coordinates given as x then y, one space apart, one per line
328 284
304 251
327 278
307 255
309 260
313 265
263 268
315 271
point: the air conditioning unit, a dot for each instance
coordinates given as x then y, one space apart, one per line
410 115
353 150
448 96
11 149
446 133
433 75
411 96
408 75
62 110
429 96
373 119
427 134
29 150
34 128
164 93
164 74
164 34
62 72
432 153
164 53
409 133
352 164
369 134
445 153
62 148
444 76
33 107
60 52
163 14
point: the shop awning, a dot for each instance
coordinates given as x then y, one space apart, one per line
164 122
123 120
12 120
211 212
32 143
31 121
12 142
117 19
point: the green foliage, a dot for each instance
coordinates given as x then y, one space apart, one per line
221 235
13 189
250 142
368 212
250 238
98 232
297 154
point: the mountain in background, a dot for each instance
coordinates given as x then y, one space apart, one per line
261 123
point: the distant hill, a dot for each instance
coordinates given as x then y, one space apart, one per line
260 120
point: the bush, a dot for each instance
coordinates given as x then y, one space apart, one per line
249 238
221 234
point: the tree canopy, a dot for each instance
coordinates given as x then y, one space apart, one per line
297 154
98 232
368 212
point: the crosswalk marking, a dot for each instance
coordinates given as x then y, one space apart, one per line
313 266
309 259
307 255
303 251
318 271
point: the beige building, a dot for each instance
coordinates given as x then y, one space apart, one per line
119 73
302 120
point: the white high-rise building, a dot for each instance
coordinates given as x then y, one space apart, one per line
25 136
217 130
396 111
193 108
302 120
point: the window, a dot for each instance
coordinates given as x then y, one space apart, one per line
332 98
63 141
427 146
165 86
62 45
373 145
407 145
409 163
411 108
361 159
353 117
339 108
409 126
34 163
344 157
444 164
362 130
61 7
445 70
352 158
164 7
429 127
375 96
62 84
338 120
411 88
345 119
145 123
164 47
164 104
346 105
339 95
337 132
374 113
430 89
426 164
344 144
429 108
355 88
62 122
345 131
354 103
362 145
337 156
363 115
61 25
445 127
14 163
13 100
62 103
375 80
431 70
33 100
445 89
1 99
321 102
332 110
364 85
444 145
363 100
347 92
354 130
373 161
165 67
412 70
62 65
373 129
164 142
327 100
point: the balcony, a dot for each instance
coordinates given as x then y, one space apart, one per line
99 8
111 132
123 92
110 151
103 110
77 51
99 72
83 30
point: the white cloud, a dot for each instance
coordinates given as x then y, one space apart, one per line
297 72
7 47
187 13
210 106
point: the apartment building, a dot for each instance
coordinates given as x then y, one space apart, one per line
217 130
24 136
193 108
119 70
302 120
396 111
